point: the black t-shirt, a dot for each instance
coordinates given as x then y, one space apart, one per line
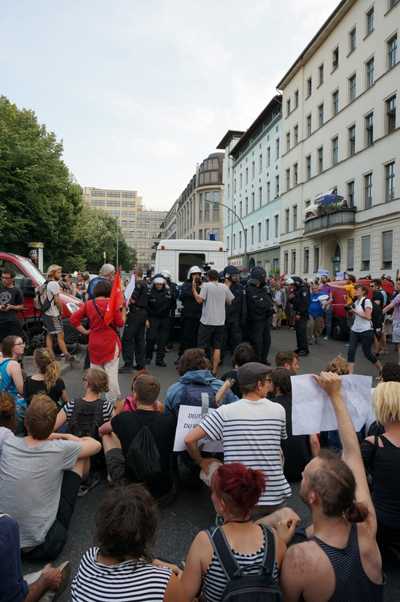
236 386
378 297
32 387
296 448
127 425
13 296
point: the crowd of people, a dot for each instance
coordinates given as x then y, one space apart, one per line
243 448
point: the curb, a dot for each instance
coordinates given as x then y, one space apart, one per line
64 368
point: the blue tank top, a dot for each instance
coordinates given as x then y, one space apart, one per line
7 383
351 581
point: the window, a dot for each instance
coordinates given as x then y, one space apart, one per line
321 115
246 202
387 245
259 232
113 193
234 242
296 135
268 192
392 3
308 167
240 209
227 243
252 235
352 40
320 159
128 203
392 52
260 164
277 148
229 191
309 87
113 213
368 190
369 128
287 179
306 261
286 262
288 142
370 73
234 186
350 254
276 220
201 207
288 106
247 176
295 174
321 74
335 58
128 195
253 201
370 20
276 186
295 217
335 99
97 203
335 151
309 125
287 220
293 262
207 234
316 259
391 114
268 156
240 181
352 140
97 193
296 99
260 196
390 182
350 193
267 229
365 252
352 87
253 170
128 214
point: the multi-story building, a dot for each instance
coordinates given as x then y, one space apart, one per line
252 190
197 214
341 135
141 227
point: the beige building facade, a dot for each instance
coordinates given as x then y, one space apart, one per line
341 135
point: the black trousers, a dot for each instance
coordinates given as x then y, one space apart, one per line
232 335
189 334
170 341
133 338
259 337
159 327
301 333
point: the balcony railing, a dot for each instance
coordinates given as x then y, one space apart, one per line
341 218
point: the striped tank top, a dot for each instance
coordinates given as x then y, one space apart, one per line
351 581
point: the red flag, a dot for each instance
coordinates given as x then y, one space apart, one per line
283 276
115 301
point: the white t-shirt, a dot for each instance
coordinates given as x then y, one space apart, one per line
251 432
214 295
360 324
52 289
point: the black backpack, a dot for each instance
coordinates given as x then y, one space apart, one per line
86 418
376 317
200 395
143 457
262 587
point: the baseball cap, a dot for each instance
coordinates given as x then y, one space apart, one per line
252 372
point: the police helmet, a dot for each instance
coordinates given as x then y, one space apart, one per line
257 275
159 280
295 281
194 270
166 274
231 273
221 276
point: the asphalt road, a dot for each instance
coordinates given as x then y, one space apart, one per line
192 509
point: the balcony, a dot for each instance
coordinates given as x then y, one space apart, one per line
334 220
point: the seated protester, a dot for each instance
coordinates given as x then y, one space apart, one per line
381 456
342 560
8 417
129 456
243 354
128 404
298 450
85 415
11 373
121 567
287 359
45 585
251 431
391 372
235 490
193 370
47 379
40 477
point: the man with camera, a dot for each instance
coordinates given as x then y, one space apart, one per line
11 302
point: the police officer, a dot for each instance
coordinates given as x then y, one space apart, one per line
236 313
161 302
300 300
175 291
191 311
135 325
259 308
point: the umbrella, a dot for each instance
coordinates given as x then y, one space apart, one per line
311 208
327 199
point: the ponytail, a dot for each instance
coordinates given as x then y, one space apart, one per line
48 366
357 512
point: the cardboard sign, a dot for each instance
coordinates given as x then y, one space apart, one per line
189 417
312 410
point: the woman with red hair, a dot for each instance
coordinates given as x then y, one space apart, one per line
235 490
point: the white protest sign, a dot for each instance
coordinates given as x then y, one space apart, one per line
339 276
189 417
322 272
312 410
129 289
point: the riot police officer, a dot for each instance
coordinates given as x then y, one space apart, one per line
300 300
191 311
135 326
236 313
259 308
175 291
161 302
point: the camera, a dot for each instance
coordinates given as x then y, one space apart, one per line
349 306
197 281
207 266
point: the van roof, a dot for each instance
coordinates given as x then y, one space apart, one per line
190 245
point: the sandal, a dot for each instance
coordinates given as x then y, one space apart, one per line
379 377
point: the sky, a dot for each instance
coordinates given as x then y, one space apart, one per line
140 91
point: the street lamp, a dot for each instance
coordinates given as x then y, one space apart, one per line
116 219
244 231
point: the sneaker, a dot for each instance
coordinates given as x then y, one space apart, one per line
162 364
317 342
310 342
91 481
303 353
326 338
124 369
65 570
292 328
148 360
70 359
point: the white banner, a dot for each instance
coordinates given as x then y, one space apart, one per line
129 289
189 417
322 272
339 276
312 410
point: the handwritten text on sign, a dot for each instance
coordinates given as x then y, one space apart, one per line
189 417
312 410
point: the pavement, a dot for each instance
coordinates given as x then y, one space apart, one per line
192 509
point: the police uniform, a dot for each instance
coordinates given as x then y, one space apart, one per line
301 304
135 326
175 291
259 308
236 315
161 303
191 317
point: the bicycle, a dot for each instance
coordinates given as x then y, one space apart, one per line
34 336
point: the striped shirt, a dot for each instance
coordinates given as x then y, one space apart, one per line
215 581
107 410
123 582
251 432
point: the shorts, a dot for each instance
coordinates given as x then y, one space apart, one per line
210 336
53 324
8 329
350 321
115 462
396 333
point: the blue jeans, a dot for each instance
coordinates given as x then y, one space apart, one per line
328 315
366 339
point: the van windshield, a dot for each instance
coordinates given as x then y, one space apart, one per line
187 260
32 270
